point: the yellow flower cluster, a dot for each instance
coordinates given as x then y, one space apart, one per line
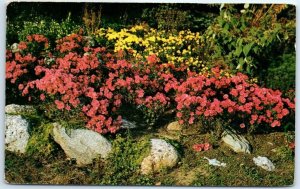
182 48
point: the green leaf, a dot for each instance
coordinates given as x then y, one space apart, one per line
247 48
240 65
248 69
240 41
238 51
255 49
226 26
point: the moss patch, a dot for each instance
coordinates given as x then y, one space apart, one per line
40 141
124 161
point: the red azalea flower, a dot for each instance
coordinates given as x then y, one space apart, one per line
202 147
60 105
198 147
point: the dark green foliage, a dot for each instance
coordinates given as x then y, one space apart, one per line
282 73
13 95
174 17
169 17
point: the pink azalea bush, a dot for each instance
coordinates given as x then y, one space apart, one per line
217 95
77 76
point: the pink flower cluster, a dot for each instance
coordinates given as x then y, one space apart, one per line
16 65
35 38
69 43
21 63
98 83
216 95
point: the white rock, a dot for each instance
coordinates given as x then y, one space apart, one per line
16 133
215 162
264 163
174 126
14 48
236 142
162 155
81 144
19 109
128 124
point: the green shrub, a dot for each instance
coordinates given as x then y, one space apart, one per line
244 37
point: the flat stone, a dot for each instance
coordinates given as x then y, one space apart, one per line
174 126
16 133
264 163
81 144
162 155
215 162
19 109
236 142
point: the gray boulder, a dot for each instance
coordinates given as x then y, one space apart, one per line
16 133
19 109
236 142
81 144
162 155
